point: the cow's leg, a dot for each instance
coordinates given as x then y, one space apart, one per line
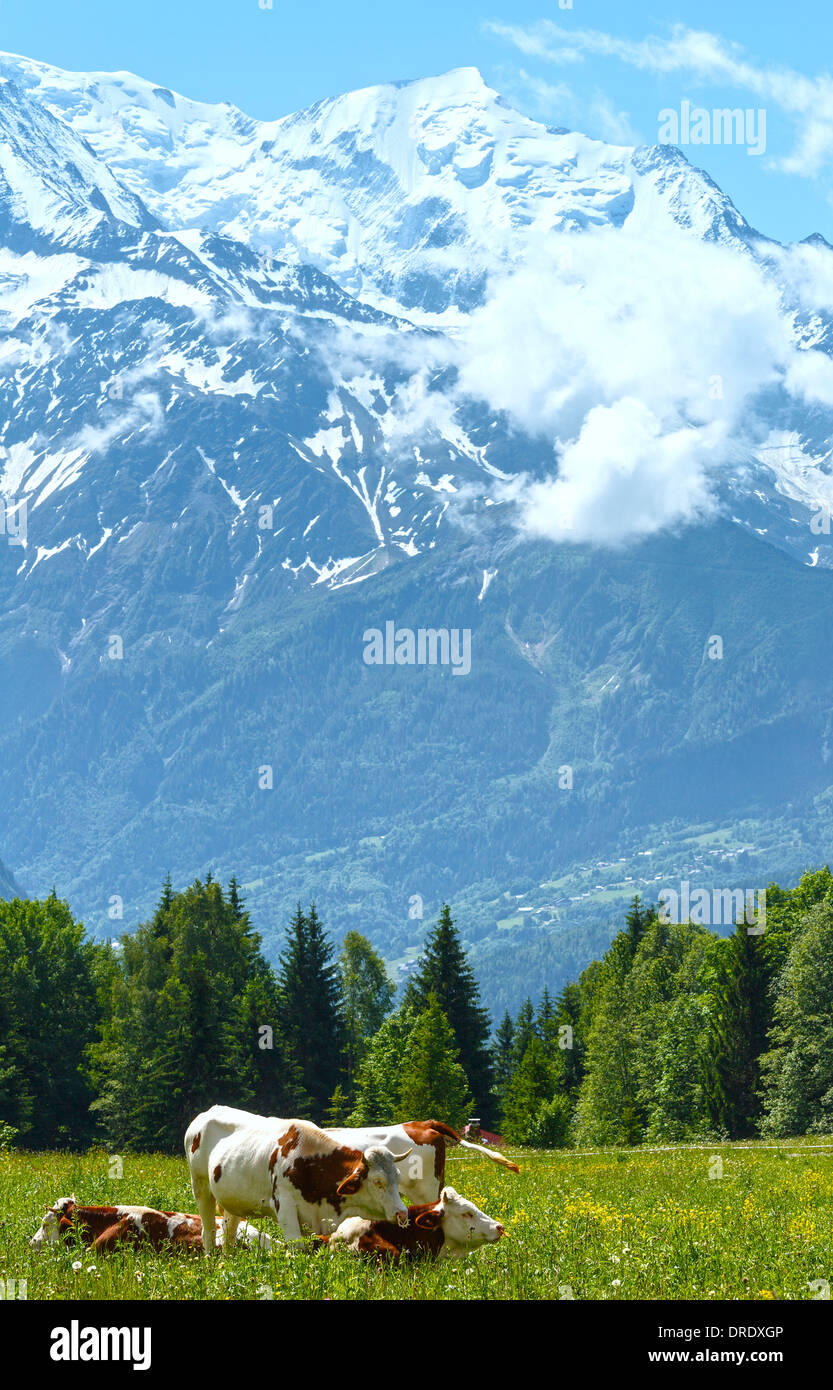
230 1224
206 1206
109 1239
286 1214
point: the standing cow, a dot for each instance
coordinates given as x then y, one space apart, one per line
423 1177
289 1169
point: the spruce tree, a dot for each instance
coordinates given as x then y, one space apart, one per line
310 993
545 1018
637 920
531 1087
338 1109
571 1045
433 1082
444 970
377 1099
741 1017
503 1059
524 1031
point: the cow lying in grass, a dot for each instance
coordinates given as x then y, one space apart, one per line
446 1229
104 1227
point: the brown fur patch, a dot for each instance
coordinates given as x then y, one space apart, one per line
289 1141
89 1222
317 1176
387 1241
218 1172
103 1227
440 1136
196 1143
153 1228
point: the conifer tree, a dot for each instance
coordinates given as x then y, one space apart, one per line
310 993
545 1018
377 1095
503 1058
740 1020
433 1083
570 1044
531 1087
636 922
338 1109
524 1031
444 970
235 901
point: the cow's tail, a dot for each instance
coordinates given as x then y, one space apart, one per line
490 1153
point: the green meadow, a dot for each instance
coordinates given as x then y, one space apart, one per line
732 1221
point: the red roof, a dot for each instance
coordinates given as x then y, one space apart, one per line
484 1137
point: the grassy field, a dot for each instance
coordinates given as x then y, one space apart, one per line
627 1224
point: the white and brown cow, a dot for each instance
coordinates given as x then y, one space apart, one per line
288 1169
421 1179
446 1229
104 1228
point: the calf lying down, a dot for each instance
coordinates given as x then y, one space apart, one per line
103 1227
446 1229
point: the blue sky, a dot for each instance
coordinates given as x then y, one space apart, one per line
600 66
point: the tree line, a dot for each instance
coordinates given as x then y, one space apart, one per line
675 1034
123 1043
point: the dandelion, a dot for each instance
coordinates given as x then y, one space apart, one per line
616 1283
76 1266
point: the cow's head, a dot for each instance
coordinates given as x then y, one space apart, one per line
463 1223
373 1185
50 1225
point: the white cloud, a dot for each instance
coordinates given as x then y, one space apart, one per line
557 103
625 476
640 358
706 58
651 362
144 412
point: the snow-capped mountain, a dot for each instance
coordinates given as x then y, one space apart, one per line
54 191
258 394
141 364
413 197
408 194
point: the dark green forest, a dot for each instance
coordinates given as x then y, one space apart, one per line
675 1034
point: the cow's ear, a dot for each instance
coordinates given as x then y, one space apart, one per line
429 1220
351 1184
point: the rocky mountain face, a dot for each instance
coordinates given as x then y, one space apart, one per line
244 422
